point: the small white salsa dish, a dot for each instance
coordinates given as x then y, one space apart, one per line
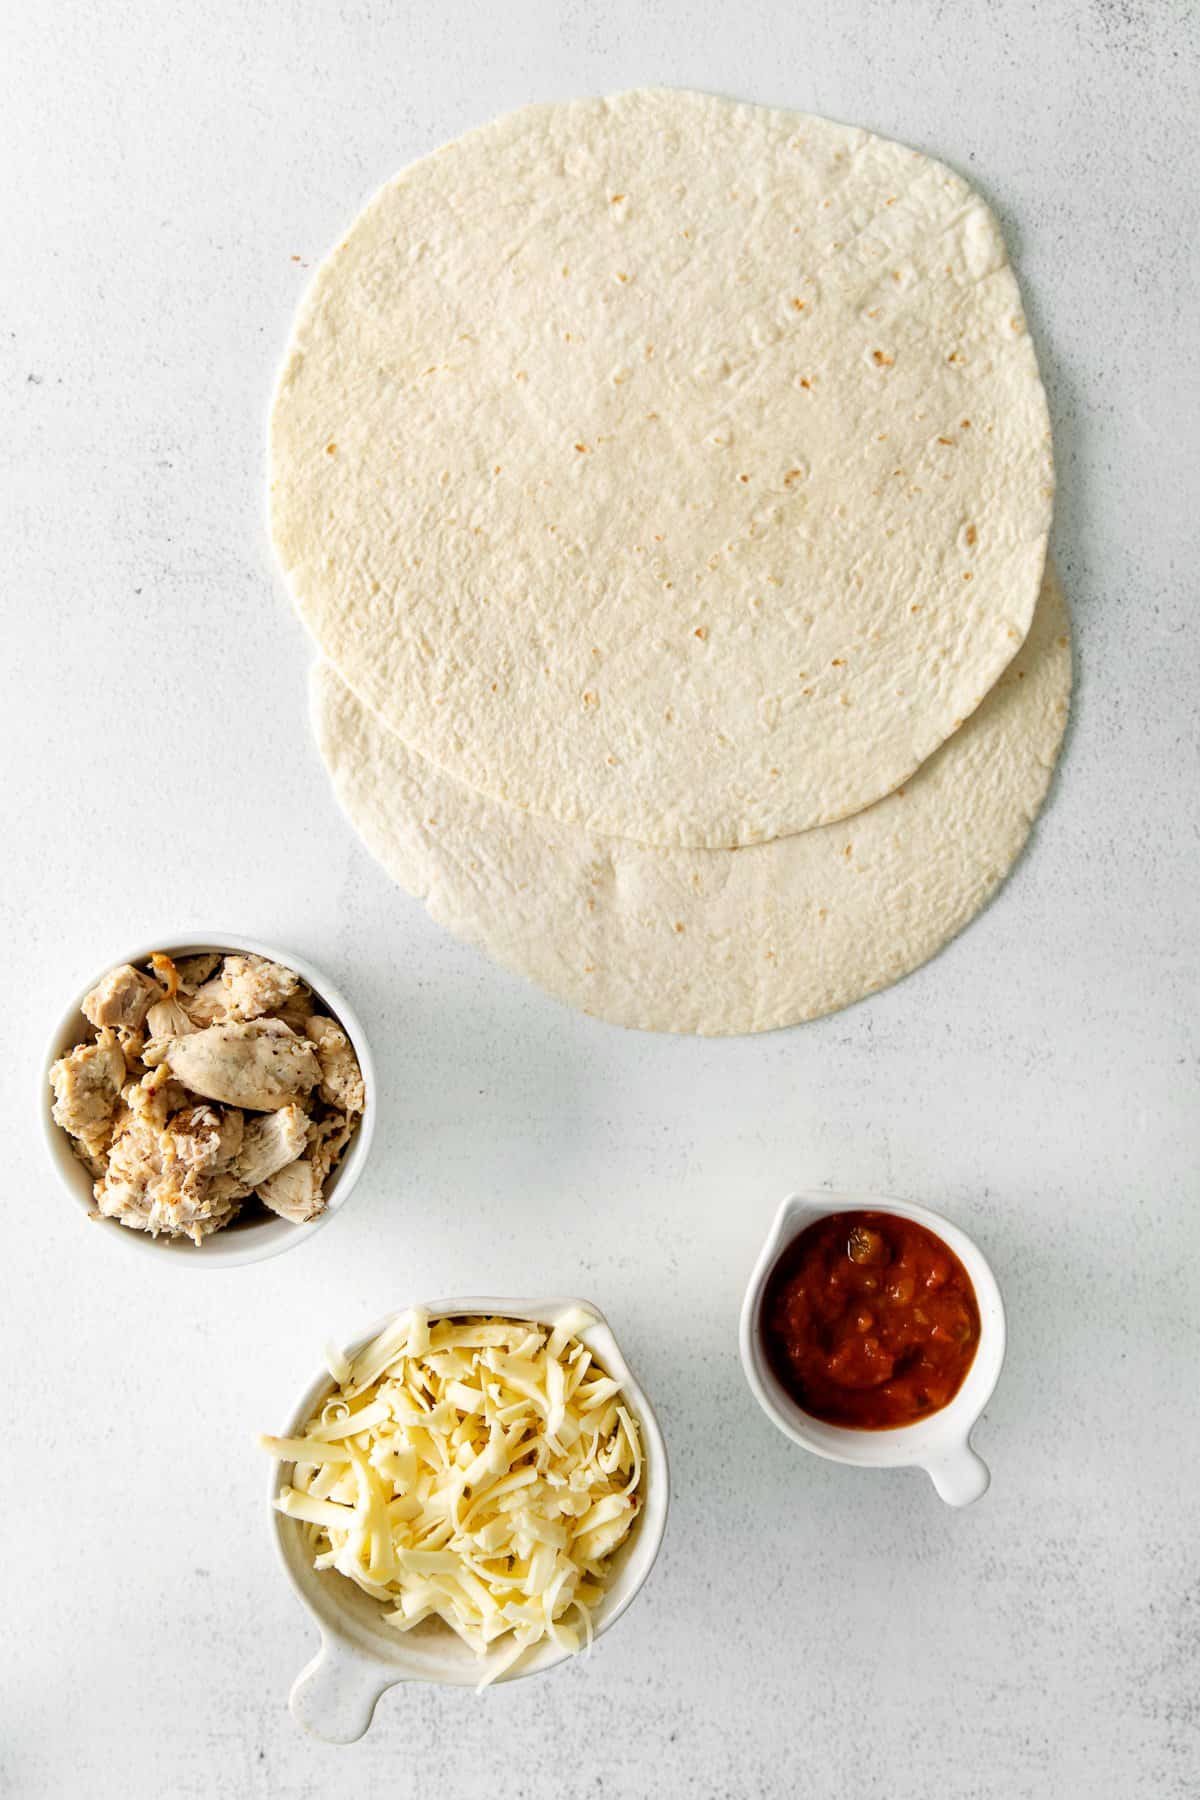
939 1443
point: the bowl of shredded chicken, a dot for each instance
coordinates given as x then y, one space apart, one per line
473 1493
213 1097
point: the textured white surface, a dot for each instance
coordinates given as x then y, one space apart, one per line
1037 1081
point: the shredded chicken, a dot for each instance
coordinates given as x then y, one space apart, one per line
152 1099
167 1018
297 1009
327 1138
122 998
294 1193
341 1077
270 1143
194 971
132 1044
93 1154
261 1063
214 1082
87 1084
207 1005
174 1178
253 986
207 1137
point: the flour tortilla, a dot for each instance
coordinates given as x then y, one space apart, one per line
716 941
671 467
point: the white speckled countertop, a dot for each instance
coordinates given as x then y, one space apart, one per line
810 1628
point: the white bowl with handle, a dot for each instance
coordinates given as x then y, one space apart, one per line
360 1657
939 1444
243 1240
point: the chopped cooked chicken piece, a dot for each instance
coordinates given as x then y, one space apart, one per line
297 1009
294 1193
297 1192
167 1018
122 998
175 1178
253 986
194 971
206 1137
341 1077
227 1191
270 1143
93 1154
87 1083
261 1064
151 1100
132 1044
179 1214
327 1138
207 1005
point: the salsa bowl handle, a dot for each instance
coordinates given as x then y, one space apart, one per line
959 1475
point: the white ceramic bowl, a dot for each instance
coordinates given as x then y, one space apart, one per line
940 1444
360 1657
239 1242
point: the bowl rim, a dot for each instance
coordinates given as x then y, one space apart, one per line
332 1621
258 1242
935 1443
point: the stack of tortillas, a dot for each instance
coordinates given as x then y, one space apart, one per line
667 483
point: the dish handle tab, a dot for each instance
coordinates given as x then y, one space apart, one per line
335 1695
959 1475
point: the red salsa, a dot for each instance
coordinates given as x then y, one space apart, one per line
869 1320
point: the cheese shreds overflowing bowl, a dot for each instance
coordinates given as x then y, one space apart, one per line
481 1471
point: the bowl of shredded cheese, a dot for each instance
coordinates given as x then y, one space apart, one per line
472 1493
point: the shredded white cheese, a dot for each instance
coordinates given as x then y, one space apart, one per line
479 1471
